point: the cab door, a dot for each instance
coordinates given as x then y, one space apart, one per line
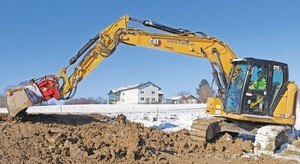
256 90
234 93
279 78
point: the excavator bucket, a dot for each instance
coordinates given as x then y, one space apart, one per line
17 101
20 98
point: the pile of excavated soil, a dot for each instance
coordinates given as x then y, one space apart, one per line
97 138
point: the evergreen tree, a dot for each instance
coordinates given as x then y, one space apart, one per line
204 91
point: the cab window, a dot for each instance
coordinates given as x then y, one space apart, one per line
255 97
277 82
234 92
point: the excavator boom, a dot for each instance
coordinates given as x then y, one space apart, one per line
104 44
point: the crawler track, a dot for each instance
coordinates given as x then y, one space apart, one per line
205 129
268 138
271 137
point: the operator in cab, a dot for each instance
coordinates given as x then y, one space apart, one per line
260 83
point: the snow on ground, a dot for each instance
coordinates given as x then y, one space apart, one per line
297 125
172 120
168 117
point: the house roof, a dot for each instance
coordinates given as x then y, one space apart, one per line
185 96
133 86
175 98
191 96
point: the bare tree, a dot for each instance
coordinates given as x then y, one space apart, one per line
184 93
183 96
46 103
101 100
2 101
89 100
52 103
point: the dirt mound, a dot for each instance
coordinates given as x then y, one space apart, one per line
97 138
4 117
226 147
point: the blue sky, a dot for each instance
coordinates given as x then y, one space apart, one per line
39 37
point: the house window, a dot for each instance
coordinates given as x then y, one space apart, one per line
153 92
142 98
153 99
142 92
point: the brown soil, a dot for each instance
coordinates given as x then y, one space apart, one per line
296 143
102 139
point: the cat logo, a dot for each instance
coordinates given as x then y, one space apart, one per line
155 42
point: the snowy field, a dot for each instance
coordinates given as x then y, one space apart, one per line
168 117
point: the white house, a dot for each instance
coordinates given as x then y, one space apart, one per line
143 93
186 99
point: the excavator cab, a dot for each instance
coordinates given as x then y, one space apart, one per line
255 86
259 100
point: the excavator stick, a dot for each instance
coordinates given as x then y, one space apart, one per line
21 97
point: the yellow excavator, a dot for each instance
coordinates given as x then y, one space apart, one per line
267 111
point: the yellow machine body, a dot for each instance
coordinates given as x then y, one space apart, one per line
185 42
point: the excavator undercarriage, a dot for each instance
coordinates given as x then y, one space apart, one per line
268 138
